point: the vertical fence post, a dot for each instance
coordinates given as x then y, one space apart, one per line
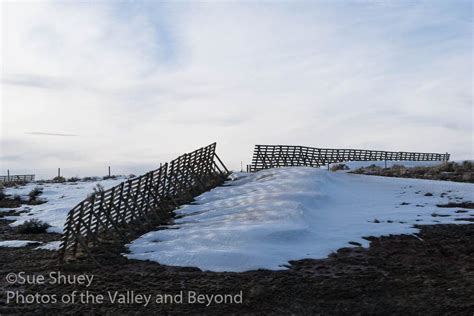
8 175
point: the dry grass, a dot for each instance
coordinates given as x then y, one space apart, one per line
451 171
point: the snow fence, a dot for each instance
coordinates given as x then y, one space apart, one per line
141 203
275 156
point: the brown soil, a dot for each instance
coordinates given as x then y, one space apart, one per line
9 203
431 273
12 203
457 204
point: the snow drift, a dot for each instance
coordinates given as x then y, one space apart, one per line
60 197
265 219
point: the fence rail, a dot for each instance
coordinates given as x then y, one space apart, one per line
140 202
275 156
17 178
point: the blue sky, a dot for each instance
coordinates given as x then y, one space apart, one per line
135 83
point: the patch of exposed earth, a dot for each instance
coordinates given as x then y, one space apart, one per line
431 273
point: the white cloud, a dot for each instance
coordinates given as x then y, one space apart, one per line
140 82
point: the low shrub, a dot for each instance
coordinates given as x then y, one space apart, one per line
468 165
339 166
74 179
33 226
59 179
35 193
398 167
451 171
97 190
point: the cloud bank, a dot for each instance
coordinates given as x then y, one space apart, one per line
142 82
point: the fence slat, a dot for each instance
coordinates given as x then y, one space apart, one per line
140 200
275 156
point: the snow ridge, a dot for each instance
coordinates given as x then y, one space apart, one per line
265 219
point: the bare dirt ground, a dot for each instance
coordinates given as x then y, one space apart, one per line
431 273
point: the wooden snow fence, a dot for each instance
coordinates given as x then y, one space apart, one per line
141 203
275 156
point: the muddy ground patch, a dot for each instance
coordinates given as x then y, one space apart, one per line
431 272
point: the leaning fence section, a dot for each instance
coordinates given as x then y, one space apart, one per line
140 202
275 156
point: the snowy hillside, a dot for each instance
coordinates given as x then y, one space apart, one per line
60 197
265 219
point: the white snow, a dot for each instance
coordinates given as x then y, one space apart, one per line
17 243
53 245
265 219
61 198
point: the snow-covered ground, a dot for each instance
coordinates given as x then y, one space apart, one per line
17 243
60 197
53 245
265 219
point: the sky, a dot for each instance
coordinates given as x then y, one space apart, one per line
130 84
